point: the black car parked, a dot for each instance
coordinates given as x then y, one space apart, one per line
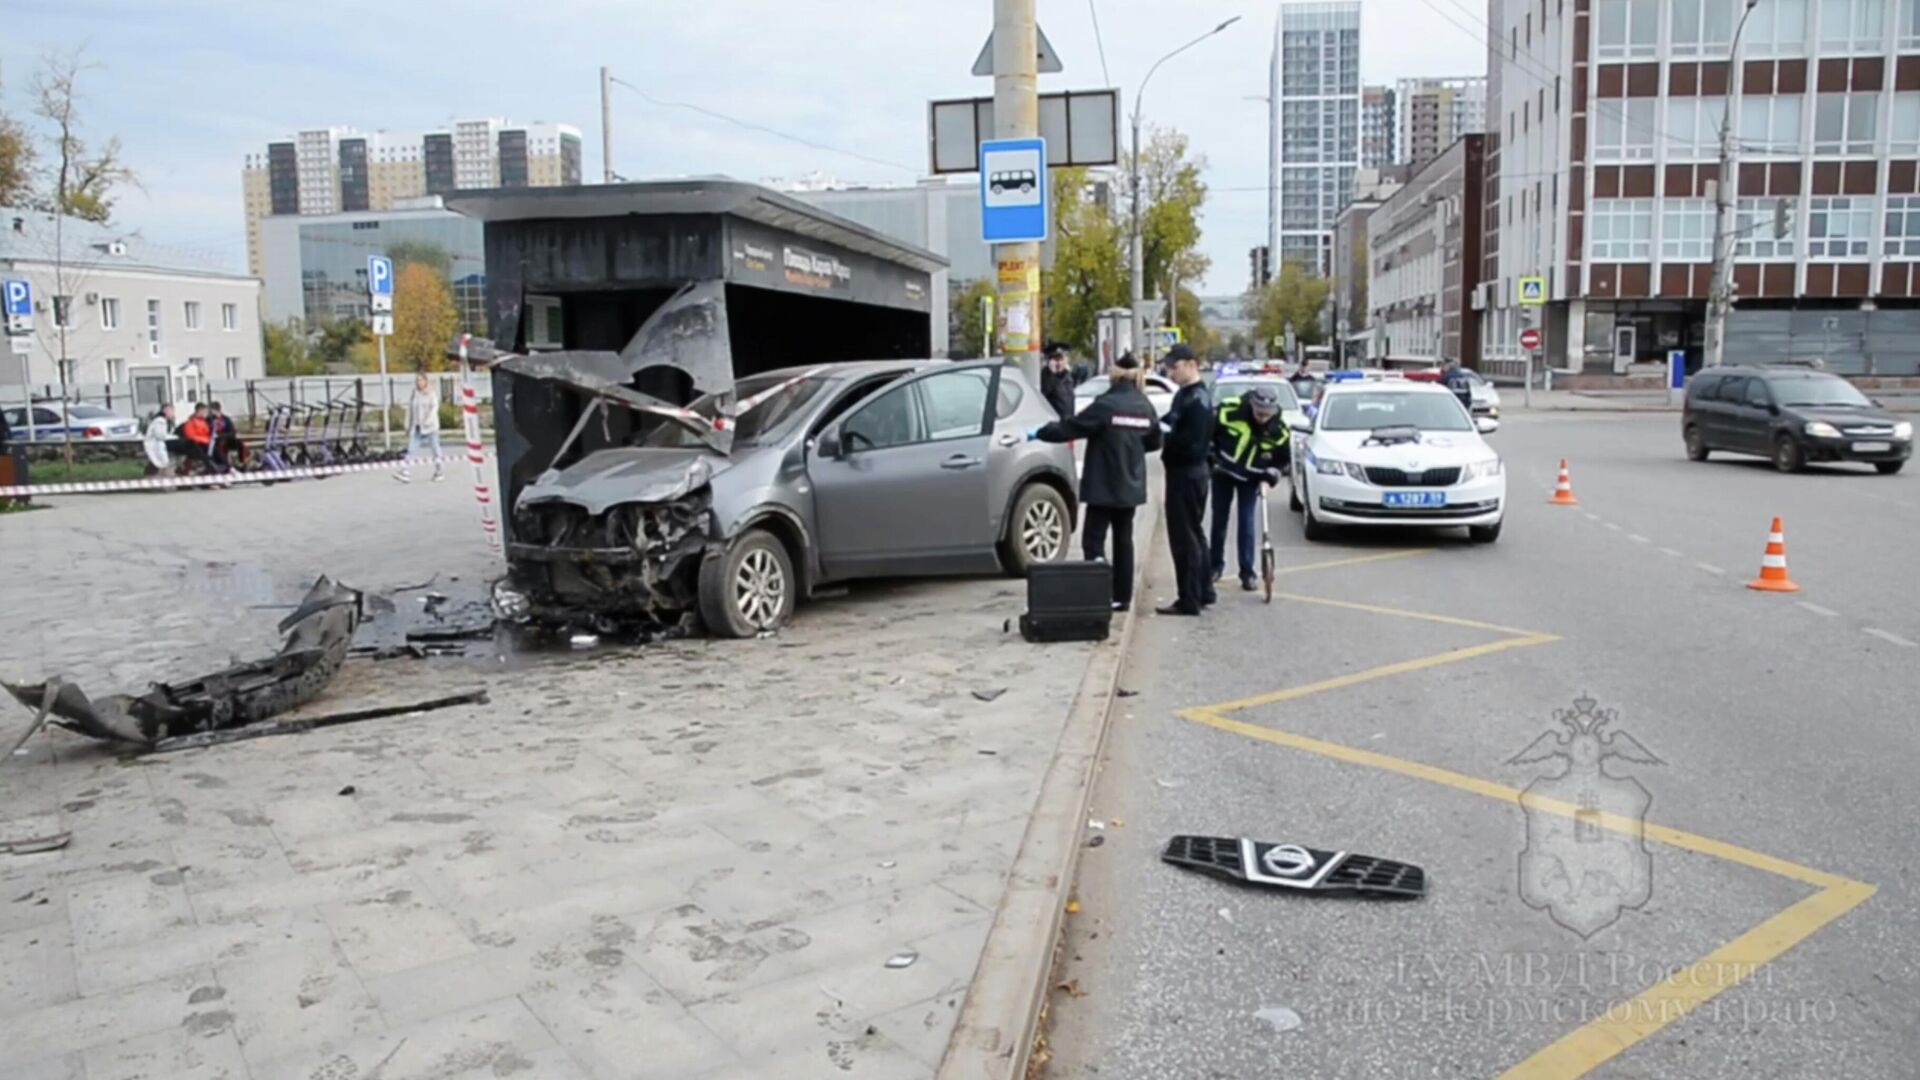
1791 416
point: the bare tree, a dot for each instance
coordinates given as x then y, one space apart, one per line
81 182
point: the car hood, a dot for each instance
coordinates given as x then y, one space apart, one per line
1845 418
1434 448
636 474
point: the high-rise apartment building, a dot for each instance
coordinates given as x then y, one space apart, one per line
1604 165
339 170
1314 102
1432 114
1379 128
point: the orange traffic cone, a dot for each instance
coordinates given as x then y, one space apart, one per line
1773 565
1563 488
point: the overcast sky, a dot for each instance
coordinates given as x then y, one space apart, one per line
191 87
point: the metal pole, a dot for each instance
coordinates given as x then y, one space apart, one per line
1527 386
386 395
1016 115
606 126
1720 294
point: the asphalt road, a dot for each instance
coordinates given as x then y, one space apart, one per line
1783 726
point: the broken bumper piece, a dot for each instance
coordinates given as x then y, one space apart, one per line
1300 869
318 635
632 560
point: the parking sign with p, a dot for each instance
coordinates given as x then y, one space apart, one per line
380 282
19 302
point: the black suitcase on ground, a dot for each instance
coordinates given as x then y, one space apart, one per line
1068 602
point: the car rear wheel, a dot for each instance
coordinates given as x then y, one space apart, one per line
1484 534
749 588
1787 455
1696 443
1037 530
1888 468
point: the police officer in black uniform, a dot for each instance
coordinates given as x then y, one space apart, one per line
1056 380
1120 429
1184 452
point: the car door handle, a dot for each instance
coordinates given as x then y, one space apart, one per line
960 461
1009 439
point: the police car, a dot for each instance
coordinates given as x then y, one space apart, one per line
82 422
1393 452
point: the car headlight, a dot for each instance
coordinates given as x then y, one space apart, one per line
1903 430
1329 467
1820 429
1480 470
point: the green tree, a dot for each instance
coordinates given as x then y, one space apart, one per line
286 350
16 162
1293 296
1171 194
1089 270
81 181
403 252
333 341
967 320
424 320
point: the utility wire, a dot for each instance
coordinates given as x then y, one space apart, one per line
762 128
1098 44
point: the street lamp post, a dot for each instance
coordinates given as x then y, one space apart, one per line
1138 290
1720 294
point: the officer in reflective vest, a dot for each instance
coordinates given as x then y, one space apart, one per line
1249 449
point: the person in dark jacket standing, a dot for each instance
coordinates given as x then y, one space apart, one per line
1120 429
1056 381
1249 444
1184 452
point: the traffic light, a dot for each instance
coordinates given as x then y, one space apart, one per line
1262 266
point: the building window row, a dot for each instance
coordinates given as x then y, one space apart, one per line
1837 227
1631 29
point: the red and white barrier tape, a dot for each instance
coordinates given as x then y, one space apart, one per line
163 483
476 452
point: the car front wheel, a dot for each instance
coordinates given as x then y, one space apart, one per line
1310 526
1696 443
1787 455
749 588
1484 534
1037 531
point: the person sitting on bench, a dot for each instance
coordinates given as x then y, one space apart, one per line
196 441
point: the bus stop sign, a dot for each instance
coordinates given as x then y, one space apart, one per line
1013 191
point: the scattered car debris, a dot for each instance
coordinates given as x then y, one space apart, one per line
1280 1018
1096 840
1071 988
1073 907
35 845
990 695
904 958
318 635
348 790
312 723
1123 692
888 864
1227 914
1096 823
1296 868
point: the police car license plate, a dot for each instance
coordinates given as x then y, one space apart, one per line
1415 498
1871 447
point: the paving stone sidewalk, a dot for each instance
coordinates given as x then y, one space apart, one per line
687 860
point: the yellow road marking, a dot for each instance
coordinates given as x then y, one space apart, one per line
1380 557
1588 1047
1627 1023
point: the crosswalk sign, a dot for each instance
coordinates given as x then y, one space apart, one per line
1531 290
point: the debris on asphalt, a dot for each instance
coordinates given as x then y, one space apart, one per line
348 790
1123 692
987 753
904 958
990 695
1071 988
888 864
1226 914
318 635
1166 783
311 723
1096 840
1073 907
1295 868
1096 823
35 845
1280 1018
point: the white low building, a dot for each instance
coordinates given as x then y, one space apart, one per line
113 311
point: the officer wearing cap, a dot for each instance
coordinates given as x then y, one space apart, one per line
1184 451
1120 429
1249 449
1056 380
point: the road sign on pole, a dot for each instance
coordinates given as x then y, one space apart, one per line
380 282
1530 291
19 304
1013 191
1530 339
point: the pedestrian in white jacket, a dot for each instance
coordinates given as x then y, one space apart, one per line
423 429
159 430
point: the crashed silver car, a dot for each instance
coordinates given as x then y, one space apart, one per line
741 504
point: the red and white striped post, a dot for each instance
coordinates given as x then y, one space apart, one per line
476 453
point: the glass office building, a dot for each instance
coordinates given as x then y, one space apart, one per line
316 266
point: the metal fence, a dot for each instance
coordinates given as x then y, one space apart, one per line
250 401
1848 342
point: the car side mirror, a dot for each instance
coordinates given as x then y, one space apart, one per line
1302 428
1486 425
827 445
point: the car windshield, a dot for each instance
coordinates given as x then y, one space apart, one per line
1227 388
761 423
1815 390
1371 409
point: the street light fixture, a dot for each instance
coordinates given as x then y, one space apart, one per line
1138 289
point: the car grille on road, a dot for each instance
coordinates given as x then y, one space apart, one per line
1375 510
1399 478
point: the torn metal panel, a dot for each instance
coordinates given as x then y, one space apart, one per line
602 375
688 333
607 478
318 635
